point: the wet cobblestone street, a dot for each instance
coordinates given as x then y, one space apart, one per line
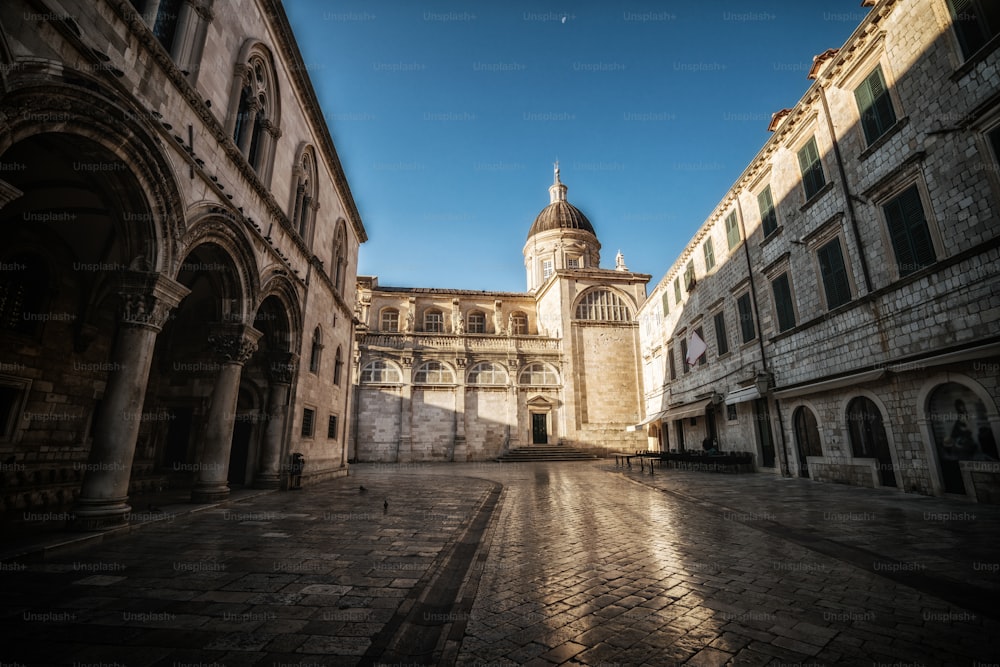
521 564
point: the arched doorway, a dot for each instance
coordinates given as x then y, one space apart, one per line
961 430
868 439
807 439
82 305
199 362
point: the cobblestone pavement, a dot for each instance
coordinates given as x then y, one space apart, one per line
525 564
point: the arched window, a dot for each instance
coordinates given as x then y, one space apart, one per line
434 321
338 365
476 322
23 294
806 436
255 118
864 421
389 320
959 422
380 372
338 264
539 374
603 305
433 372
519 324
304 202
486 372
868 439
316 351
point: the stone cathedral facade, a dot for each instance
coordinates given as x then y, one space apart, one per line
179 256
459 375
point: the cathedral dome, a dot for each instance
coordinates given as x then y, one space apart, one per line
560 214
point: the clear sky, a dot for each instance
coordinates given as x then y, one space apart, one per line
448 115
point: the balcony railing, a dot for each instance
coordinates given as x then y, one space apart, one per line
402 341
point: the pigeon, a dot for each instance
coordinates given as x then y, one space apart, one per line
385 506
362 489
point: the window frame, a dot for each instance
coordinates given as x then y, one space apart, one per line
475 322
733 236
881 127
990 33
708 249
892 197
332 427
495 371
382 320
745 317
433 320
308 429
764 216
825 278
381 366
783 309
443 373
546 371
721 333
808 173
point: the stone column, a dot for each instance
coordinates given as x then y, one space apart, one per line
460 449
234 344
281 369
404 454
103 501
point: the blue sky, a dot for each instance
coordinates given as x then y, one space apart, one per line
448 116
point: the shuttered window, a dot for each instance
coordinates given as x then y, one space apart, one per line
975 23
709 254
746 318
666 302
689 275
721 338
768 216
673 364
811 167
875 106
911 238
732 230
783 302
677 290
834 274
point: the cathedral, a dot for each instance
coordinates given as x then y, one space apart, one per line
462 375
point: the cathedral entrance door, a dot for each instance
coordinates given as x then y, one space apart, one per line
539 428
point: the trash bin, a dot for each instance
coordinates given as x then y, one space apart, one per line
296 464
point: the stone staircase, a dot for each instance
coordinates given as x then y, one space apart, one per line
546 453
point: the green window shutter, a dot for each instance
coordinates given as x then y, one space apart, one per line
666 302
971 32
732 230
709 254
783 302
834 273
721 339
768 216
911 238
875 106
812 168
746 318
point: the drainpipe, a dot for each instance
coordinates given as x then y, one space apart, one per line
848 197
783 450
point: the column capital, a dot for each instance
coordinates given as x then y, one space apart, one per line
234 343
147 298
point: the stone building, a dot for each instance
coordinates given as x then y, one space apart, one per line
179 257
846 285
459 375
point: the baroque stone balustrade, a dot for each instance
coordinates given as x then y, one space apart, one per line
466 342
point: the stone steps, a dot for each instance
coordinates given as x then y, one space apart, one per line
546 453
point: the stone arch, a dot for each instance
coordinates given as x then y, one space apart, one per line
279 289
887 425
95 120
217 226
926 425
604 303
254 120
305 193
